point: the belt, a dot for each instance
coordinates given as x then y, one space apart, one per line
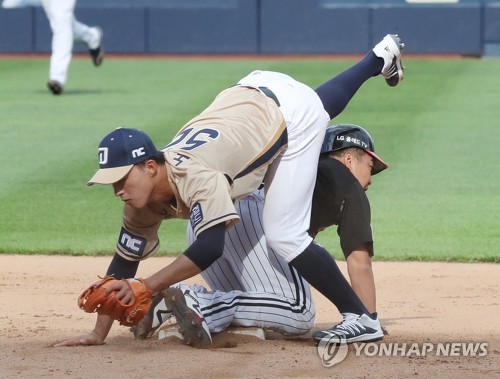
270 94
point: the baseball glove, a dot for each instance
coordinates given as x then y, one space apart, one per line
93 300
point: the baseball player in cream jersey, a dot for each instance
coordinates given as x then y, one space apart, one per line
268 129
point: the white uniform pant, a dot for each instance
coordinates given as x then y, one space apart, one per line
65 30
290 179
250 284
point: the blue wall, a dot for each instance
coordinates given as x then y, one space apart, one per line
469 27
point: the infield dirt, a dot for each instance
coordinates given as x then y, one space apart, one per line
423 303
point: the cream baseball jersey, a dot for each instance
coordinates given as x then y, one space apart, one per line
218 150
217 157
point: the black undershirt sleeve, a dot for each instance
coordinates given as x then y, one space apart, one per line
208 246
120 268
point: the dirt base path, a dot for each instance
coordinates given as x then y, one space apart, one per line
422 305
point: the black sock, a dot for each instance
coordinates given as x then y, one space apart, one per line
318 267
338 91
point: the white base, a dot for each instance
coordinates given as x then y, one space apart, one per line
254 332
168 333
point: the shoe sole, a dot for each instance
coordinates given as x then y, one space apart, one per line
144 329
189 326
395 79
55 87
97 60
351 340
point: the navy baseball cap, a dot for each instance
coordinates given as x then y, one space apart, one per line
119 151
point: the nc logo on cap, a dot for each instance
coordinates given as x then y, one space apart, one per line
138 152
103 155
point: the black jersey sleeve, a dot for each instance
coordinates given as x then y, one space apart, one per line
354 228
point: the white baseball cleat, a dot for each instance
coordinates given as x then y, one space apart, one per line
354 328
389 49
186 309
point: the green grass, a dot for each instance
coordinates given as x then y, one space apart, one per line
439 131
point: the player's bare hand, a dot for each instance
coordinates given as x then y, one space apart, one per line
88 339
123 291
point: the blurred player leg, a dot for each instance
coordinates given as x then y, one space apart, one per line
92 37
60 15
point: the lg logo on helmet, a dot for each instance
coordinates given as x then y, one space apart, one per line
353 140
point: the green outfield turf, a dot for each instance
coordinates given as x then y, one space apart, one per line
439 131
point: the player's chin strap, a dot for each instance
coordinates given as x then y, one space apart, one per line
315 264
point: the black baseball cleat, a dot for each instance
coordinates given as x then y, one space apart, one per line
354 328
158 314
97 54
186 309
389 49
55 87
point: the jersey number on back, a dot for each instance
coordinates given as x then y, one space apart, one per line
195 140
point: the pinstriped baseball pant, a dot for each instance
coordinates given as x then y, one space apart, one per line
251 285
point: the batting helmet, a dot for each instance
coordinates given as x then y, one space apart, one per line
343 136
